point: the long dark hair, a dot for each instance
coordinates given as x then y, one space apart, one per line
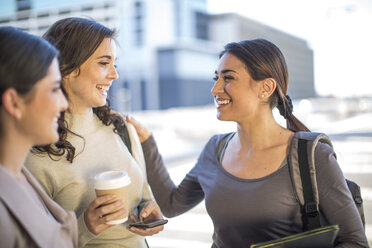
264 60
24 60
77 39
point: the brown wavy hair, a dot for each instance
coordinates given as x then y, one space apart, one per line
77 39
264 60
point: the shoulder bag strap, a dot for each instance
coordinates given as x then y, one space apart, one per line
311 216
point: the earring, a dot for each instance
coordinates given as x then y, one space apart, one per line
263 95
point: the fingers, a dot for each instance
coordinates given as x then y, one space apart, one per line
151 210
107 209
100 200
144 232
97 215
148 209
147 231
142 132
112 216
133 219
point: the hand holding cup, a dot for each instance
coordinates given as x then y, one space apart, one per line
111 205
98 214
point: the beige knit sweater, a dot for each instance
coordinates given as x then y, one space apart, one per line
71 184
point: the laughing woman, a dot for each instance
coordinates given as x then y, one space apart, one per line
247 186
89 141
31 101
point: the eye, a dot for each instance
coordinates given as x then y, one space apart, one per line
227 78
56 89
215 78
104 63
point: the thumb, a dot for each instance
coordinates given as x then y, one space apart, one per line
150 206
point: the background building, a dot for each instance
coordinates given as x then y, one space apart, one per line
168 48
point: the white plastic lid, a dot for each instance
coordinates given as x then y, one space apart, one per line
111 180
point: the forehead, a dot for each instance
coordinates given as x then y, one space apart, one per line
107 47
230 62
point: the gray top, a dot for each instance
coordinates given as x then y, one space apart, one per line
248 211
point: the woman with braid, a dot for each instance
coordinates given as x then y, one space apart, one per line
248 190
89 141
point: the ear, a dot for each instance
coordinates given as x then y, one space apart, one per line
268 87
12 103
72 74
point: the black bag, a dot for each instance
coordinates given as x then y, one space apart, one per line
305 184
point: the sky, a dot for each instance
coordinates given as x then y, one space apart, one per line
338 31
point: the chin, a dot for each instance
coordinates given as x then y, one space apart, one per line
100 104
47 140
221 117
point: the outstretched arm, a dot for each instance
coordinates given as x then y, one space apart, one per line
173 200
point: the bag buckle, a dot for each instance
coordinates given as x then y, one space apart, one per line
312 209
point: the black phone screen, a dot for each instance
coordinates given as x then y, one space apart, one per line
149 223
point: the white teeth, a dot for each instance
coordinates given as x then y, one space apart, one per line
222 102
103 87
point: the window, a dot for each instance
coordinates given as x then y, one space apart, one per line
43 14
87 8
23 5
201 21
64 11
143 95
4 21
138 23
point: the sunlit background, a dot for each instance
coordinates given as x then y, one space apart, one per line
169 51
337 30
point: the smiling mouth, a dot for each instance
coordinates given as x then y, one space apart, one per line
222 102
103 88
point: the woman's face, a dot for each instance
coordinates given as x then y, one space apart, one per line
41 108
235 92
87 87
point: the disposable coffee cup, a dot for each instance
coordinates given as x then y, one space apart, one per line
114 182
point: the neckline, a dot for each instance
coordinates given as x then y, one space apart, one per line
228 138
82 123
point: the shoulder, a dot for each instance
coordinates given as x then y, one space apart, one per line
36 162
131 128
323 152
46 171
211 147
216 139
325 160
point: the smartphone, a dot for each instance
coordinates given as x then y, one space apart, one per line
149 223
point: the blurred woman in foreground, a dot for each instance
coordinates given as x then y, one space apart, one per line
31 102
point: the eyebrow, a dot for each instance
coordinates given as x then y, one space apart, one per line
105 56
225 71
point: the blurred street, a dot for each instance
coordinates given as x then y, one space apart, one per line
181 134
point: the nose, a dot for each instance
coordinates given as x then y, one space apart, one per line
63 101
217 88
113 73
